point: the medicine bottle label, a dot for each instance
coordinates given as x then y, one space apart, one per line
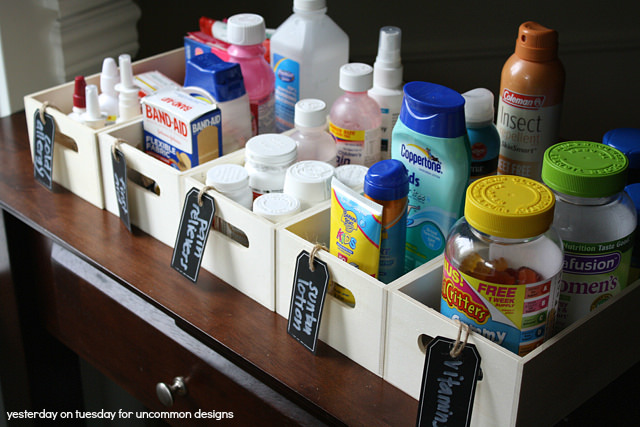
592 274
358 147
263 112
516 316
287 92
527 127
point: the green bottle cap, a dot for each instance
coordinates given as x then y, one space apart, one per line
584 169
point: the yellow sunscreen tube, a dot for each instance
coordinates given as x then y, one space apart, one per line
356 226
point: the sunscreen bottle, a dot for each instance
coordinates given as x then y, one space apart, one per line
483 134
387 84
430 138
531 89
387 183
307 51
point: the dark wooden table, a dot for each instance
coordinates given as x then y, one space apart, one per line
140 322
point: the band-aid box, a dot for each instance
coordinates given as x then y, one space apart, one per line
181 130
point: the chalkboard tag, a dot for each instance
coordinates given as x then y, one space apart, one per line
195 224
120 183
448 384
43 148
310 283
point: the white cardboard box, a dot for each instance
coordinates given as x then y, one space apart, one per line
537 389
76 163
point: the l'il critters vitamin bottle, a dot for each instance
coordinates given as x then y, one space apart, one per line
531 90
503 263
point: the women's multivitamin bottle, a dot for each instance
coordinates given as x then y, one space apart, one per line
531 90
387 183
483 135
246 32
387 84
596 220
503 263
314 142
430 138
307 51
355 119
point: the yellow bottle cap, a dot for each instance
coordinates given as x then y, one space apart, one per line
509 206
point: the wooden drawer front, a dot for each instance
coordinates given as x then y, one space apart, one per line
139 346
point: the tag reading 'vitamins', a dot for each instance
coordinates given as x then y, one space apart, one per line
307 300
43 148
195 224
120 183
448 384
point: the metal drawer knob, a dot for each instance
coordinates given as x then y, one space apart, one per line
166 393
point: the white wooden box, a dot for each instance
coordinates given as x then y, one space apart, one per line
76 164
248 267
537 389
357 332
155 213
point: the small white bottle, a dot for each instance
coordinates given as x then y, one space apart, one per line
307 51
387 84
108 98
311 136
352 176
267 158
232 181
79 99
309 181
355 119
92 117
276 207
128 102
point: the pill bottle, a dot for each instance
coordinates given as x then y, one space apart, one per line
267 158
232 181
355 119
483 134
309 181
276 207
246 33
314 142
503 263
307 51
626 140
530 101
596 220
352 176
387 183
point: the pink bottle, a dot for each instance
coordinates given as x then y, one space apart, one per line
245 33
355 119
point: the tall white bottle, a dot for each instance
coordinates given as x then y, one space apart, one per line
387 84
307 51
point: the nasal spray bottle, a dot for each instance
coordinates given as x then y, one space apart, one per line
387 84
108 98
93 117
79 99
128 103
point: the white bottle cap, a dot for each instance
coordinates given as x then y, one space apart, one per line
126 72
109 77
309 5
309 181
352 176
246 29
310 113
271 148
228 178
276 206
478 106
356 77
387 70
92 116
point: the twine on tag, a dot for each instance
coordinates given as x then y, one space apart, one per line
312 255
45 105
115 146
204 190
458 346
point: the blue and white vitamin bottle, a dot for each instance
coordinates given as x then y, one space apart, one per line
430 138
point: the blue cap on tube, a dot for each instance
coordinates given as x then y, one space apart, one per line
223 80
387 180
433 110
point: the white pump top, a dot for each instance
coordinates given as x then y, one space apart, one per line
356 77
387 70
478 105
246 29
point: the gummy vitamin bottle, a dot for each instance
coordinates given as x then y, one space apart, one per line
503 263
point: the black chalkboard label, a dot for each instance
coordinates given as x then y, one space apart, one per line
43 134
307 300
120 183
193 231
448 385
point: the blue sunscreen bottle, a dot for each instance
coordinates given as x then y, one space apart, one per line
387 183
430 138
